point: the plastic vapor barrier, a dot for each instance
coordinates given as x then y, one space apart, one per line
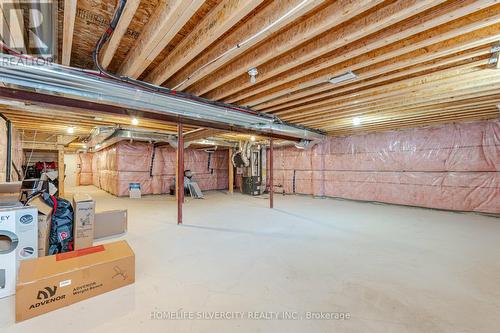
453 167
17 151
114 168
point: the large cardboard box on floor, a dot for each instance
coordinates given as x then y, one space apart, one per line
44 222
110 223
84 210
48 283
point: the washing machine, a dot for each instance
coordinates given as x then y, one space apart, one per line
18 241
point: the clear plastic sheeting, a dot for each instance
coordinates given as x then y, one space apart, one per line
453 167
17 152
84 169
114 168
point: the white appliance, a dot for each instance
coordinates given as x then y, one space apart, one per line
18 241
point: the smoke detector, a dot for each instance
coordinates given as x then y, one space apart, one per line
253 73
350 75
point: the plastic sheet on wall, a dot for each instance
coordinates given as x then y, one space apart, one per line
114 168
453 167
17 151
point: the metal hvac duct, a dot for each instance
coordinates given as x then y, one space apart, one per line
103 137
52 84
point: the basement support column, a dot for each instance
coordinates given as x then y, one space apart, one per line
230 170
180 172
271 172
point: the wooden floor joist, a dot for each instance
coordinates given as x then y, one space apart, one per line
220 20
367 50
417 62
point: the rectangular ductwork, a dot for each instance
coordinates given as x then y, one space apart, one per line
55 85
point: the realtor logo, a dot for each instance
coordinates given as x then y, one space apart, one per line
30 27
47 292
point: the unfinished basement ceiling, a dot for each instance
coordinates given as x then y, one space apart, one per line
417 62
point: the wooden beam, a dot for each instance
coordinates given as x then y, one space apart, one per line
402 77
121 28
329 17
291 93
395 104
358 28
230 169
430 43
276 15
201 133
60 169
68 30
282 72
413 124
450 78
215 24
167 20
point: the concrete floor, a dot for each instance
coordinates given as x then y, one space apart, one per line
393 269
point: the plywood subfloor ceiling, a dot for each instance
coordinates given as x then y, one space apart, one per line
417 62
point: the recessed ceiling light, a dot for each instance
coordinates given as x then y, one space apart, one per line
252 138
343 77
135 121
356 121
84 146
70 130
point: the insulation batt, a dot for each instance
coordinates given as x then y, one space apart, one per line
453 167
17 151
114 168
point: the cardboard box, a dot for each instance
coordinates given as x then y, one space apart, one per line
110 223
10 193
18 241
44 223
84 210
49 283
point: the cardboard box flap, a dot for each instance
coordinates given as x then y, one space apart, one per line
10 192
81 197
36 269
39 203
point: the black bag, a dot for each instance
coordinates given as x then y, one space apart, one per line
61 228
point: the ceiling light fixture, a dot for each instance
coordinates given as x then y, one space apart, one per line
70 130
135 121
350 75
253 72
252 138
356 121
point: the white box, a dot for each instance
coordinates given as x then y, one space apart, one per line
18 241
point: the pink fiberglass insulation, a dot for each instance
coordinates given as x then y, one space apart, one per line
453 167
114 168
17 152
84 169
210 175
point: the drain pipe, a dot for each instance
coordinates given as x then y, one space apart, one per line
8 167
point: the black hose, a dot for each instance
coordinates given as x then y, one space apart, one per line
105 37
